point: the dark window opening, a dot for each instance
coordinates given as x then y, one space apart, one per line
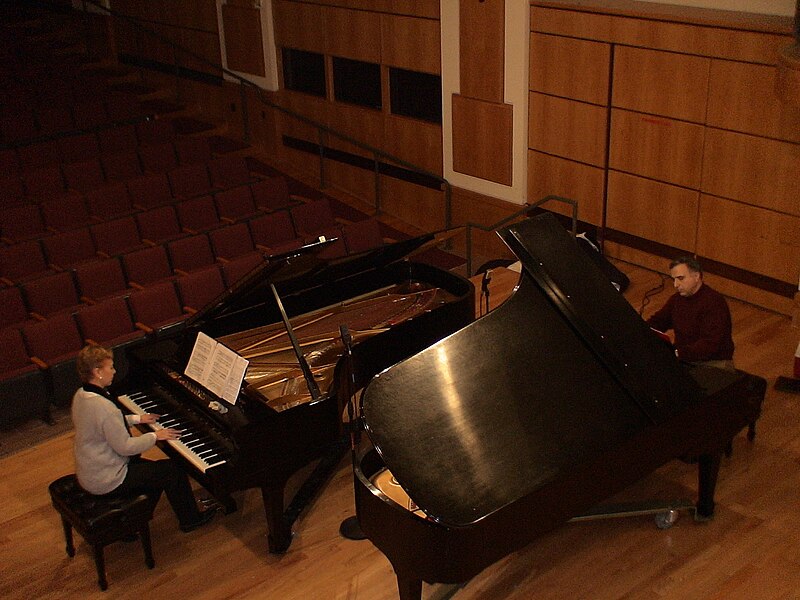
416 95
304 72
356 82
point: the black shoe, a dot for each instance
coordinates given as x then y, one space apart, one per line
204 518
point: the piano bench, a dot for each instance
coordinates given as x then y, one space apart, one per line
101 520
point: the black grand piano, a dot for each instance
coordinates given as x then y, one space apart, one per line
286 416
530 416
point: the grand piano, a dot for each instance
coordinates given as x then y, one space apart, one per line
530 416
288 412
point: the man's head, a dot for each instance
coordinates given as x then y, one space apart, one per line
687 275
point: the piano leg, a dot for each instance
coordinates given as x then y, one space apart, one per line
410 588
708 471
279 536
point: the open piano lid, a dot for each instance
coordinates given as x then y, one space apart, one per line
301 269
560 373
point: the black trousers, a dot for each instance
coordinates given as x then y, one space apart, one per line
153 477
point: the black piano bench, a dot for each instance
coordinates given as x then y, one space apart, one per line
101 520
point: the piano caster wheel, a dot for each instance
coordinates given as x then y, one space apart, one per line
667 519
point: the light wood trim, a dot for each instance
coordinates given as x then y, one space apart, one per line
745 98
299 25
676 37
652 210
656 147
555 61
352 34
482 139
750 238
661 83
482 49
567 128
550 175
412 8
243 41
752 169
410 43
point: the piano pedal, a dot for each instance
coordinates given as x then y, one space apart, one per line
210 503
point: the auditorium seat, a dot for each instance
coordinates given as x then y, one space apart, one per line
116 236
101 279
234 270
39 154
65 213
154 131
198 214
84 175
158 158
17 127
272 193
64 250
360 236
313 219
53 345
50 295
9 163
75 148
13 310
190 254
235 204
54 119
150 190
12 192
274 233
231 242
228 171
155 307
23 261
121 165
159 225
120 138
188 181
146 267
108 323
44 183
192 149
199 288
22 222
90 113
110 201
22 386
123 107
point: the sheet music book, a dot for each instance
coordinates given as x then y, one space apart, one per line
216 367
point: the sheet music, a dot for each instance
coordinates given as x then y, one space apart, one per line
216 367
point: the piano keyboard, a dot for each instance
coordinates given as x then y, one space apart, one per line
199 449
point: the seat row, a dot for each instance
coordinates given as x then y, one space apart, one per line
110 208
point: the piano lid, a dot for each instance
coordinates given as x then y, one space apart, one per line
560 373
300 269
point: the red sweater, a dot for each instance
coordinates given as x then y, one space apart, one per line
702 325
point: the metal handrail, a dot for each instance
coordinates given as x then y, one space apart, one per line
522 212
377 154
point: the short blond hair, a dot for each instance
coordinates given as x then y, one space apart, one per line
90 358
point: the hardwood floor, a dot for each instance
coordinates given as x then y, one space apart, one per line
749 550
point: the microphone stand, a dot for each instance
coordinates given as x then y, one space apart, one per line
350 527
487 279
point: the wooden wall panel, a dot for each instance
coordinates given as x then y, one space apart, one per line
752 169
361 124
353 34
415 141
482 49
550 175
423 207
567 128
410 43
749 46
751 238
300 26
661 83
744 98
651 210
664 149
555 61
482 139
243 41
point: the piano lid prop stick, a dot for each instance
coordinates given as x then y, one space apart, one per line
312 385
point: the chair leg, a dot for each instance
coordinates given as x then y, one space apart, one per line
144 534
70 547
99 562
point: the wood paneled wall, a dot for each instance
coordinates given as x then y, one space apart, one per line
665 124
